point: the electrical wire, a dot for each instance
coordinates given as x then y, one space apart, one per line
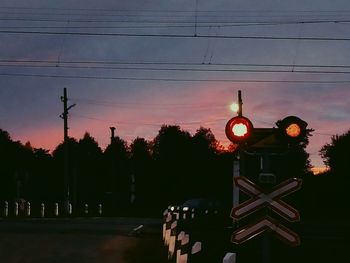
107 62
176 79
174 35
58 65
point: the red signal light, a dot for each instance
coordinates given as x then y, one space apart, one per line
238 129
292 128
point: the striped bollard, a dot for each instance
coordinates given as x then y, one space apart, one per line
55 211
192 213
167 228
6 209
182 252
179 238
86 209
166 214
172 240
42 210
16 209
70 209
185 211
173 225
229 258
28 209
195 255
99 209
177 214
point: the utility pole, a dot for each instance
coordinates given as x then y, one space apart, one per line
237 163
64 116
240 103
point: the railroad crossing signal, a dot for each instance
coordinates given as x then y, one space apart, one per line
267 223
292 129
271 199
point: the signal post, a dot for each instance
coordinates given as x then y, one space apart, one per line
264 143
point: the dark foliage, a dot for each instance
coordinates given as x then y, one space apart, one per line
141 179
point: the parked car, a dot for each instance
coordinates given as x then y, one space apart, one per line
203 210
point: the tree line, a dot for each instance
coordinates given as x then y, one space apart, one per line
145 176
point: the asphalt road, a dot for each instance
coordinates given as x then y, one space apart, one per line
117 240
123 240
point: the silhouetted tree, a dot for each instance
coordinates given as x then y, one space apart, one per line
336 154
171 151
40 179
335 183
17 162
58 178
203 179
141 166
87 186
117 180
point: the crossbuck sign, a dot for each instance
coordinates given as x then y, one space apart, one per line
261 198
272 199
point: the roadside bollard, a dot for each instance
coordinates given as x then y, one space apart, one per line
179 240
16 209
86 209
99 209
167 228
192 214
55 212
172 240
177 213
229 258
42 210
166 214
182 252
70 209
184 211
28 209
6 209
173 225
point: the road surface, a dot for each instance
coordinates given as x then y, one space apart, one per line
81 240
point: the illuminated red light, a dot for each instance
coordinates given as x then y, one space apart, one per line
293 130
238 129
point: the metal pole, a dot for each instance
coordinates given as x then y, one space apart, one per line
240 103
235 197
266 170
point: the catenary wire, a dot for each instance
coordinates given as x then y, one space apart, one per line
177 79
174 35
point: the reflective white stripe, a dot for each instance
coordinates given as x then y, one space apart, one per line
243 183
253 229
281 207
285 210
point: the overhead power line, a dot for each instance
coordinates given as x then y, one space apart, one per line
176 79
58 65
169 23
175 10
173 35
167 63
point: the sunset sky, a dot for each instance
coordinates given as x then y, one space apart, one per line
139 64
